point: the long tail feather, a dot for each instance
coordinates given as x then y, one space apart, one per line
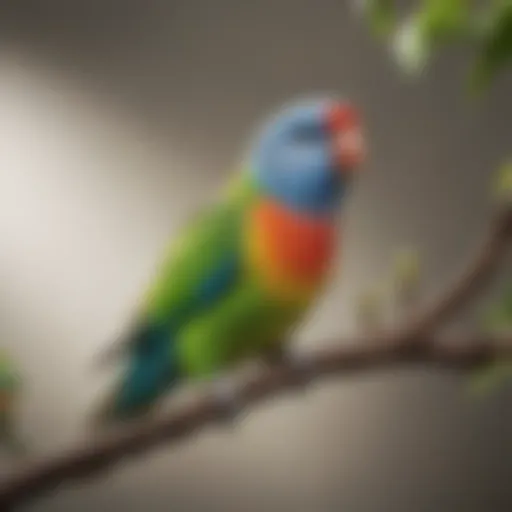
150 373
107 412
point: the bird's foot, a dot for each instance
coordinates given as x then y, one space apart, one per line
302 371
298 365
224 392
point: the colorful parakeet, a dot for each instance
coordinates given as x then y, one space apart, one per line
242 275
10 387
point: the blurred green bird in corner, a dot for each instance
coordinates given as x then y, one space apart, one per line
10 387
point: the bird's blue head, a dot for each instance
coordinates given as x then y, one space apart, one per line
305 157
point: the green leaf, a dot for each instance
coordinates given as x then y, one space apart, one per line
490 378
495 320
407 275
410 47
434 24
407 265
502 184
370 307
445 20
495 52
10 380
507 304
381 15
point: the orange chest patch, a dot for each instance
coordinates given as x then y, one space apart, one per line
292 250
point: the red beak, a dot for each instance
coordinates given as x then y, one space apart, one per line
344 125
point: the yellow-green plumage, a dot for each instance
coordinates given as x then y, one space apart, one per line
10 389
207 308
237 316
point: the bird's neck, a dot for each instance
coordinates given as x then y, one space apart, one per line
243 189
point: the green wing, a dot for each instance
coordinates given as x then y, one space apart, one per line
201 266
204 262
198 267
213 311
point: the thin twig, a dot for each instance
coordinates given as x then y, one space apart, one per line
385 351
90 460
474 278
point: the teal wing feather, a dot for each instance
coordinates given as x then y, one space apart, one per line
201 267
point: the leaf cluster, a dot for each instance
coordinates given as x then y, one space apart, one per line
431 25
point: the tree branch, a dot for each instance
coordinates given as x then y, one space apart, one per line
410 344
473 279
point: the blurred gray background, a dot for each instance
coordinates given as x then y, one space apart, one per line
119 118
